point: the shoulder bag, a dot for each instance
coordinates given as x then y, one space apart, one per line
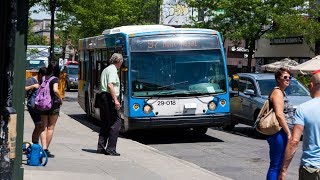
267 122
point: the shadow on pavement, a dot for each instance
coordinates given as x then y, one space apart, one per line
70 99
168 136
90 150
159 136
94 125
246 131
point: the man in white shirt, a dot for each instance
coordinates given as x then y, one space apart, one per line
109 107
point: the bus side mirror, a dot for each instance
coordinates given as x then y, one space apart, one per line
249 92
234 93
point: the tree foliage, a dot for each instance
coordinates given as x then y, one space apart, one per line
93 17
306 23
33 38
77 19
248 20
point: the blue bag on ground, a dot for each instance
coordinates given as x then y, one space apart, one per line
35 154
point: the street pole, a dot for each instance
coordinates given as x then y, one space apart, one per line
19 76
53 4
14 18
7 36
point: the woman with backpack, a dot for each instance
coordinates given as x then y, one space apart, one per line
31 87
50 117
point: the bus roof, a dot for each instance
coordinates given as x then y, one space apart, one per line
137 28
147 29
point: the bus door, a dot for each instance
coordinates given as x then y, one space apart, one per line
123 75
96 74
91 80
124 85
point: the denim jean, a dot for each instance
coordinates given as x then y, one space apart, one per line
277 145
309 173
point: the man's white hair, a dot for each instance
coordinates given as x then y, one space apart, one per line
116 58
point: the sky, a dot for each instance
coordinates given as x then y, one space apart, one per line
41 15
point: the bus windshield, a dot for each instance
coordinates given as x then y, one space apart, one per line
177 73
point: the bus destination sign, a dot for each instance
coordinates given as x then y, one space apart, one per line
176 42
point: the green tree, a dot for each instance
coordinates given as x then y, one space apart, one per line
247 20
34 39
306 24
92 17
81 18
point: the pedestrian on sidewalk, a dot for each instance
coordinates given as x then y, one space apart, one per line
284 112
307 122
31 87
109 107
50 117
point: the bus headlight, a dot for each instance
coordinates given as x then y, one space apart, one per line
147 108
212 106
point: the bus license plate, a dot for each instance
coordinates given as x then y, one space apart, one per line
166 103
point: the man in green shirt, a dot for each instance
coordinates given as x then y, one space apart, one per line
109 107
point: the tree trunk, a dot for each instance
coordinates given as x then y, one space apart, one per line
251 46
317 47
317 44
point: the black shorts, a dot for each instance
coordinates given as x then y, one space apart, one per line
53 111
35 115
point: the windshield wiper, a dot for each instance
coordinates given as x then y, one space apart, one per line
173 84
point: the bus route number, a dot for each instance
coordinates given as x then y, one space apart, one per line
166 103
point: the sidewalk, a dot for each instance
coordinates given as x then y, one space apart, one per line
74 146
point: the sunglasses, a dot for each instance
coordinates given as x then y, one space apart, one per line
287 77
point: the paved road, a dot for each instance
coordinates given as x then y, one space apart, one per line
237 155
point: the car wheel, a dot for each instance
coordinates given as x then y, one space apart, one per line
228 127
199 131
67 88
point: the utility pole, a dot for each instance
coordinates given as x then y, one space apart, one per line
7 38
53 5
14 18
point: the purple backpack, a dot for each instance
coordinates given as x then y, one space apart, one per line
43 100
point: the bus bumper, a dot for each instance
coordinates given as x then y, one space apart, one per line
212 120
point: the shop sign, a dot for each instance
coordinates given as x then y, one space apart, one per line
287 40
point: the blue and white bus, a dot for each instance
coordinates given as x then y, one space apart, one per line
171 77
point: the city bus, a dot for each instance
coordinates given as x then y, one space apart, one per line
170 78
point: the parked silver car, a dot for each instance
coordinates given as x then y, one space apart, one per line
250 90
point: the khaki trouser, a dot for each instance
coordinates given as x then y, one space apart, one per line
309 173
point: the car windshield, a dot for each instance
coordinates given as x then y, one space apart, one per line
35 64
294 89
